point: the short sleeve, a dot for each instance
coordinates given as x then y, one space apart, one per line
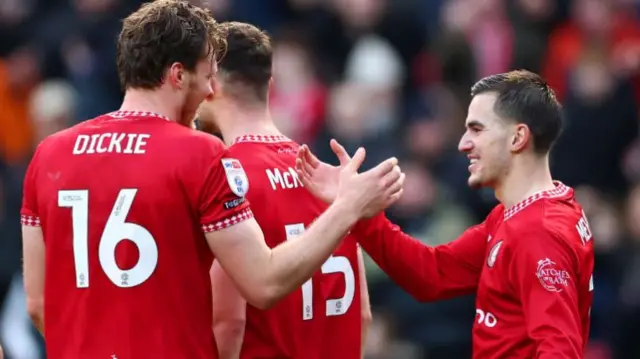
222 201
29 215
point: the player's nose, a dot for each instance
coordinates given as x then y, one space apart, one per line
465 144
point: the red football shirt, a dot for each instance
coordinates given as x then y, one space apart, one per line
531 267
123 201
323 318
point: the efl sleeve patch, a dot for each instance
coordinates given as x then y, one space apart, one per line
236 177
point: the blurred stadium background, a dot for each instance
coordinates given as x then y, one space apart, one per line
394 76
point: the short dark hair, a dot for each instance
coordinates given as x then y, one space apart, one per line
160 33
248 58
525 97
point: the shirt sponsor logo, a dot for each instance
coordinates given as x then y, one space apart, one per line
486 318
551 277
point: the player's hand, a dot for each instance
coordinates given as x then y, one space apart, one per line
319 177
370 192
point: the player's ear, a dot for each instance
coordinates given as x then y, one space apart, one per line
216 86
520 137
177 75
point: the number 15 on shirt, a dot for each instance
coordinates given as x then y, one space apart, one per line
335 264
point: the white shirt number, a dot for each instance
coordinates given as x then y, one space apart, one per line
335 264
115 231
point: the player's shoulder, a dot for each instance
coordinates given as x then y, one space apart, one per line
555 217
203 149
565 219
494 217
556 202
52 142
70 132
560 210
198 140
496 212
261 149
241 152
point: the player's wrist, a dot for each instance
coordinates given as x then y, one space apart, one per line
347 210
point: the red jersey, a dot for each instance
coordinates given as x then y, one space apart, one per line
123 201
531 267
323 318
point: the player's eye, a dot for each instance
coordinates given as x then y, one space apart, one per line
474 129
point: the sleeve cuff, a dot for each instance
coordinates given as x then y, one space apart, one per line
228 221
30 221
364 226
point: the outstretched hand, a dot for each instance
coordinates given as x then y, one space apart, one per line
368 192
319 177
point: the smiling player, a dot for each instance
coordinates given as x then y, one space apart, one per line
530 263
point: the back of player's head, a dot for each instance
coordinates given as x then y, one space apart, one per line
525 97
246 66
161 33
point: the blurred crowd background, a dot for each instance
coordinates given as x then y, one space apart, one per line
394 76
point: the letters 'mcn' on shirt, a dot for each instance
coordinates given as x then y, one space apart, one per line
113 142
283 179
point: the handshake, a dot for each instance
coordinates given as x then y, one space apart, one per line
366 194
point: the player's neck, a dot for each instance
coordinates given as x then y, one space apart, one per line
153 101
236 122
527 177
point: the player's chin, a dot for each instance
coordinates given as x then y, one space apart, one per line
475 180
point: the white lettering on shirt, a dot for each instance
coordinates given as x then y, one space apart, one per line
285 179
127 143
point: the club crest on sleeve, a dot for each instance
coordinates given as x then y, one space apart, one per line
551 277
236 177
493 254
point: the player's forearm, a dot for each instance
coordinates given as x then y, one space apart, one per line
295 261
407 261
419 269
229 337
366 323
35 308
229 313
366 315
38 323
